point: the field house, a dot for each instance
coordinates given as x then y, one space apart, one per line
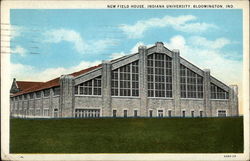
154 82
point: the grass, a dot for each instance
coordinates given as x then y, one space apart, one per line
133 135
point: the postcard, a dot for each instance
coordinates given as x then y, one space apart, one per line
125 80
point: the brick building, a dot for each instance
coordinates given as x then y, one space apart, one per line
154 82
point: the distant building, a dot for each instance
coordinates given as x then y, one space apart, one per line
154 82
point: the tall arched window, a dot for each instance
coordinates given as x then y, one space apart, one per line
159 68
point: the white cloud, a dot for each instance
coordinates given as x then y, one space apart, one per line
56 36
101 45
80 45
209 56
19 50
21 71
29 73
180 23
133 50
194 27
16 31
203 42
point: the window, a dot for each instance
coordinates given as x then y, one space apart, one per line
91 87
169 113
77 89
86 88
125 113
25 96
31 112
114 113
222 113
87 113
159 68
16 98
201 113
191 84
217 92
46 112
150 113
31 95
46 92
38 94
192 113
160 113
125 80
37 112
135 113
135 79
125 83
56 91
183 113
115 82
20 97
97 86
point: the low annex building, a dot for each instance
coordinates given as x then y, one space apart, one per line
154 82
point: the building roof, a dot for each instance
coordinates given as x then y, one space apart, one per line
37 86
23 85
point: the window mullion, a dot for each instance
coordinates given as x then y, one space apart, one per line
216 92
186 78
131 79
196 84
165 74
154 75
118 71
92 87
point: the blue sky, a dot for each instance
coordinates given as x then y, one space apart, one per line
68 40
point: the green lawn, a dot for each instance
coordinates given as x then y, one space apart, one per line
141 135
